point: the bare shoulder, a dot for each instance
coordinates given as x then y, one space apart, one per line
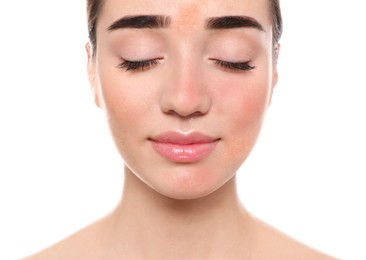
81 245
276 245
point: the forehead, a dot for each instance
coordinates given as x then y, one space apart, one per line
185 14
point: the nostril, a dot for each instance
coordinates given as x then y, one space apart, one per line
185 104
185 95
185 115
198 113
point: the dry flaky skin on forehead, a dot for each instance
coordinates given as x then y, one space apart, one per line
187 17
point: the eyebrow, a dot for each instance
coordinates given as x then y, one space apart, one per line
140 22
230 22
161 21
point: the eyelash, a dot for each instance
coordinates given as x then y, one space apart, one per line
138 65
234 66
147 64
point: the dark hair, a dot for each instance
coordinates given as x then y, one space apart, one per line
277 26
94 8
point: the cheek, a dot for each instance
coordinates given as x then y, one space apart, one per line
242 106
243 99
127 106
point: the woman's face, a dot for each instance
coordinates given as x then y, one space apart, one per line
184 88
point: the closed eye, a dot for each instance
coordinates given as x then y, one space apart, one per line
141 65
234 66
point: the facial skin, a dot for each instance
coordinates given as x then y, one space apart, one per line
186 89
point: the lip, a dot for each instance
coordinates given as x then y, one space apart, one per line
180 148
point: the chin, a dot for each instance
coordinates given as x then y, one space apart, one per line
190 183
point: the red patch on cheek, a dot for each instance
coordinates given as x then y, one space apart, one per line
237 97
254 101
242 108
246 138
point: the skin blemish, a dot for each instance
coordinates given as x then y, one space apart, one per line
188 17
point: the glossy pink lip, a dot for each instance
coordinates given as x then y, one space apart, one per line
181 148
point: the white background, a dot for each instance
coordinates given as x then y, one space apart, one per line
59 170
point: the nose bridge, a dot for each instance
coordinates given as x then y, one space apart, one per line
186 93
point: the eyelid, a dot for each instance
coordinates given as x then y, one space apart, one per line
142 65
238 66
133 65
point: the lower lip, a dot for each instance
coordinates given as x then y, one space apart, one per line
184 153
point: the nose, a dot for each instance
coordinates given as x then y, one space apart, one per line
185 93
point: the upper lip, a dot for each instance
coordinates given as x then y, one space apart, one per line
183 139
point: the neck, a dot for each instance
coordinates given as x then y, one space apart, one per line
152 223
